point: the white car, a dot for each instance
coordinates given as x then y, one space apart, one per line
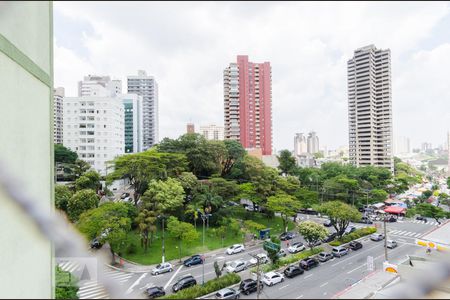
162 268
272 278
377 236
296 247
236 248
391 244
236 266
262 259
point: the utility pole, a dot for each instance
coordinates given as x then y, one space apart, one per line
385 240
258 275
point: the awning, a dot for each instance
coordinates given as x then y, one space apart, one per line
394 210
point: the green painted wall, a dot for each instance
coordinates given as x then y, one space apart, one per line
26 120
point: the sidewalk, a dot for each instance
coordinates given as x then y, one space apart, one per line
132 267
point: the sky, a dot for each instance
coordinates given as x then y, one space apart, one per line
187 45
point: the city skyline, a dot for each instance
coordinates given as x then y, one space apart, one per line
309 72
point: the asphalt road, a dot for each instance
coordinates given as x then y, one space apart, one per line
323 281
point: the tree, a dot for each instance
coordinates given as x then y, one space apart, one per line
217 269
181 231
79 168
273 255
235 152
221 232
80 202
227 189
109 223
253 226
427 194
431 211
340 215
448 182
65 285
64 155
312 232
164 196
62 197
140 168
284 204
89 180
287 162
378 195
146 220
306 197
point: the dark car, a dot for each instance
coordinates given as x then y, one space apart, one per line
293 271
309 263
249 286
124 195
154 292
420 218
329 238
365 220
391 219
232 203
184 283
287 236
193 260
355 245
95 244
308 211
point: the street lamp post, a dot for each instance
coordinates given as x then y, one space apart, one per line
204 217
385 240
163 245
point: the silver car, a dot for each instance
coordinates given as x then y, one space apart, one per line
162 268
236 266
227 293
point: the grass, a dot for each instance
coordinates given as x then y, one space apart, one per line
212 242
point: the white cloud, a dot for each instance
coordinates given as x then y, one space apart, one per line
186 46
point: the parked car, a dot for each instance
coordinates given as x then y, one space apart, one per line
328 223
308 211
292 271
272 278
193 260
263 258
421 218
365 220
249 286
392 219
236 248
232 203
287 236
349 229
355 245
339 251
296 247
124 195
281 253
377 236
324 256
154 292
391 244
236 266
162 268
308 263
95 244
227 293
330 237
184 283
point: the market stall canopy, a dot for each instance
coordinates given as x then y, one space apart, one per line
394 210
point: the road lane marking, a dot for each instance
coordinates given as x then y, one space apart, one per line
284 286
309 276
173 276
130 289
344 260
324 284
301 296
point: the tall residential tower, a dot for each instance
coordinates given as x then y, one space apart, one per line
147 87
248 104
58 97
370 107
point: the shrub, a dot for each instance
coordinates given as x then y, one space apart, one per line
132 248
209 287
335 243
354 235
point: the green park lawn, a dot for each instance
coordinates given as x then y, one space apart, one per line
212 242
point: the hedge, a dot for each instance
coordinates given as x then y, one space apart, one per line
353 236
209 287
284 261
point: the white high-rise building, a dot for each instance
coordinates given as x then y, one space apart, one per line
401 145
147 87
58 98
99 86
212 132
300 145
133 123
313 143
94 129
370 107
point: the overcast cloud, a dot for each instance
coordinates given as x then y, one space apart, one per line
186 46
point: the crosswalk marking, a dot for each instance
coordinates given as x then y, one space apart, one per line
423 222
405 233
92 290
